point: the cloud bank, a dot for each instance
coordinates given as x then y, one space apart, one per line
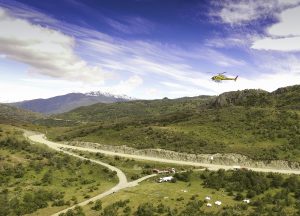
48 52
284 35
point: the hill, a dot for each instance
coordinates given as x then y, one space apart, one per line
287 97
250 122
9 114
67 102
136 110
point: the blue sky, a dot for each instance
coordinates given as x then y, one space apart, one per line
146 48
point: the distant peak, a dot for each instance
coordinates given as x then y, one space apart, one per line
106 94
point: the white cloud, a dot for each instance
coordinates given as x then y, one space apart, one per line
125 87
22 11
238 13
152 92
288 25
241 12
175 89
131 25
232 41
284 35
47 52
28 89
280 44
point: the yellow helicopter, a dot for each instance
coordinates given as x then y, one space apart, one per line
221 77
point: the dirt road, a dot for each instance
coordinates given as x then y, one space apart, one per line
42 139
123 183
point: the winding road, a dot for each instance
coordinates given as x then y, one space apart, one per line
123 183
40 138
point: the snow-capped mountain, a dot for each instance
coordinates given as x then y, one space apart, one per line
64 103
107 94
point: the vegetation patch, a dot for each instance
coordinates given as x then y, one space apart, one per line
268 194
35 179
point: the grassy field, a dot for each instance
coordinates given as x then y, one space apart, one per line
188 198
169 194
35 180
132 168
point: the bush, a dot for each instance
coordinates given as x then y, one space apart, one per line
239 197
183 176
145 209
97 206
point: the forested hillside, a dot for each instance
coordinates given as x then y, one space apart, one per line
35 179
9 114
250 122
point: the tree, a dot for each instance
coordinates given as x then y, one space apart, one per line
277 180
251 194
110 210
297 194
292 183
184 176
47 178
239 197
127 210
3 203
77 211
97 206
192 208
19 171
145 209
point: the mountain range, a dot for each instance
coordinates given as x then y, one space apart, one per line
65 103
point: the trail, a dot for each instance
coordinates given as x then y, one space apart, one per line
42 139
123 183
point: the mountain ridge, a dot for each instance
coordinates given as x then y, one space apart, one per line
285 97
10 114
67 102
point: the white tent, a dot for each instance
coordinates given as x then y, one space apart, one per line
218 203
207 198
246 201
165 179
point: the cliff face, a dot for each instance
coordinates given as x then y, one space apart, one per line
287 97
221 159
249 97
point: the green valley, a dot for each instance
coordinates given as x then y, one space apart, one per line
252 122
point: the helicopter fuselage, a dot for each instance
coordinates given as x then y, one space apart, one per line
221 77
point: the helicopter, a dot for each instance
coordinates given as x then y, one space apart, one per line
221 77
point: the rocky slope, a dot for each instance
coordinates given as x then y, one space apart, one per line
286 97
222 159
